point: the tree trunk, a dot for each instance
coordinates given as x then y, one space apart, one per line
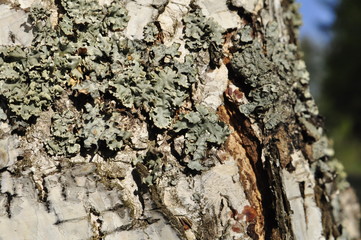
163 119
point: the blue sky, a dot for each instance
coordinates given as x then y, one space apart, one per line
315 13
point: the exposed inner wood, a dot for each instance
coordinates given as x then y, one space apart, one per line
244 151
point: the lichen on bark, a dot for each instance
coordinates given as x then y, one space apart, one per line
87 56
190 121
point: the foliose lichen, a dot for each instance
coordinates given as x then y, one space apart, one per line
267 76
25 97
154 163
87 58
201 32
64 140
151 33
202 129
102 128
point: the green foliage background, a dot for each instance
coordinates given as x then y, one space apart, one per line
338 83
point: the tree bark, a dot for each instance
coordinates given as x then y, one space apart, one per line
163 119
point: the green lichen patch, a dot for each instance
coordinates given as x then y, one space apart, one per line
139 81
202 129
151 33
201 32
71 132
98 127
63 141
87 59
28 89
268 75
154 163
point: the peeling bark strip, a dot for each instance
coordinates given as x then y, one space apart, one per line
162 120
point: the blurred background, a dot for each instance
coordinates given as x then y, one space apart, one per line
331 40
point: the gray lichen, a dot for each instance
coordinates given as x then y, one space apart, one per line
201 32
87 58
151 33
99 127
154 163
202 129
70 133
267 76
28 98
64 141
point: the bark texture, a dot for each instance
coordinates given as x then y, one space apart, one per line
163 119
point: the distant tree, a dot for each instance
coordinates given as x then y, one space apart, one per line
314 55
341 99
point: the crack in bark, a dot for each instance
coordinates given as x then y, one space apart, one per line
330 228
243 137
59 222
9 198
44 197
97 225
142 188
280 225
276 223
141 172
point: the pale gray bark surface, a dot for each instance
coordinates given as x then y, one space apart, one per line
272 177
